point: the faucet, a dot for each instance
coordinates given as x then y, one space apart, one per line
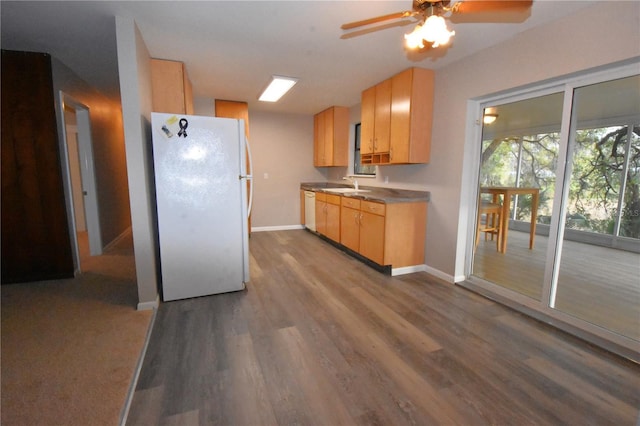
353 180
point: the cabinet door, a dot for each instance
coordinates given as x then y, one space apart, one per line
372 237
368 117
411 116
328 137
333 222
318 140
340 141
350 228
382 126
167 85
321 216
400 116
188 92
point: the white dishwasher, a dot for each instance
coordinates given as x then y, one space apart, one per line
310 210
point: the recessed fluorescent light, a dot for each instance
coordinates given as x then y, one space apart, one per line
279 86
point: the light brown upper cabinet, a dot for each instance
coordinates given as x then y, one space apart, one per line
376 122
331 137
233 109
171 87
405 113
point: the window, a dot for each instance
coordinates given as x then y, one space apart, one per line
360 169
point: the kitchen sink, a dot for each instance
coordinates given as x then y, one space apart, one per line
347 190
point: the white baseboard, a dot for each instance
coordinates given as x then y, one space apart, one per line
145 306
438 273
276 228
407 270
423 268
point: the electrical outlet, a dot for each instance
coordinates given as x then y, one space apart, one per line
386 179
266 175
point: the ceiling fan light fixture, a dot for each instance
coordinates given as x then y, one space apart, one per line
278 86
434 30
414 39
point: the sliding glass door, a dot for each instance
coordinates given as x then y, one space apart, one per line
599 272
563 167
519 151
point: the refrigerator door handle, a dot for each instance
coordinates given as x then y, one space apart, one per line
249 176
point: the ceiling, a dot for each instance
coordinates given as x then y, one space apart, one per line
231 48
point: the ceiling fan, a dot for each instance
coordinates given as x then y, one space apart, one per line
432 27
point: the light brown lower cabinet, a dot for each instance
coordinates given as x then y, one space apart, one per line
372 227
388 234
350 224
328 215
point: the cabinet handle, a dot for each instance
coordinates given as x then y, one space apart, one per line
370 145
375 144
391 154
361 216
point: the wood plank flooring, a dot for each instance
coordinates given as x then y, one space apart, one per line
319 338
597 284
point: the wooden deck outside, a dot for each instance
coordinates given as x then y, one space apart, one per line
597 284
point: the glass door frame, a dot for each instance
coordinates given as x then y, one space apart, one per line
543 309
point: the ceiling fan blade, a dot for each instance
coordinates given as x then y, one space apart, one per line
397 15
489 6
373 29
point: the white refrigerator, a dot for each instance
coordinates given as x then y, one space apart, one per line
202 207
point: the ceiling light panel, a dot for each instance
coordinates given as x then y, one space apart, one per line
278 86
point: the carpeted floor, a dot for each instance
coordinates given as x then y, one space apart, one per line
70 347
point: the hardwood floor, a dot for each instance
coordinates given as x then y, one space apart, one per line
597 284
319 338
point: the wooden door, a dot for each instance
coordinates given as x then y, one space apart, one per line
35 233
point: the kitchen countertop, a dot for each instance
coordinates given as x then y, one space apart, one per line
384 195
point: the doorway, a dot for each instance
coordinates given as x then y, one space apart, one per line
80 181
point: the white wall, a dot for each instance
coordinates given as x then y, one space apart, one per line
282 147
135 88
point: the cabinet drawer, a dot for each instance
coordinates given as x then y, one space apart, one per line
321 196
333 199
351 202
371 207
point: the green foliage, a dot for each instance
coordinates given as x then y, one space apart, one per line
598 161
